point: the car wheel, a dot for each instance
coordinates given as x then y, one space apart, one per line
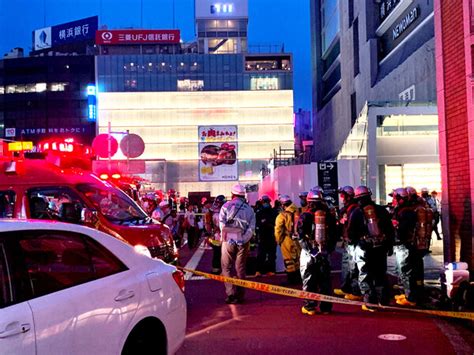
148 337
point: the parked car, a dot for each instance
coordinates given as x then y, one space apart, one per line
70 289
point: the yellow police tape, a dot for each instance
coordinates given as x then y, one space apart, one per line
290 292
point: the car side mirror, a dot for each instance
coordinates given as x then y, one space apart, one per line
89 216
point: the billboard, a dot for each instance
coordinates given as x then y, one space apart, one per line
218 153
209 9
70 32
137 36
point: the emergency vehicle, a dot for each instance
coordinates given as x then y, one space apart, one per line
57 187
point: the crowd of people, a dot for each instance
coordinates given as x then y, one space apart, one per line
307 235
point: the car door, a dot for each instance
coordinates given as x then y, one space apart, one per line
17 334
86 297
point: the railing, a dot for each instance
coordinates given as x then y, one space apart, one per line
266 48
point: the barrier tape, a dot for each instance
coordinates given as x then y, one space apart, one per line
290 292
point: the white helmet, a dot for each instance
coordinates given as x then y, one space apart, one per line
238 190
284 199
314 195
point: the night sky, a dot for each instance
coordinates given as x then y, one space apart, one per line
270 22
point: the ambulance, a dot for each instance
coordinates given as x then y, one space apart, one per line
58 186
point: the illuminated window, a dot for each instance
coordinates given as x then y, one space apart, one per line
265 83
2 90
190 85
40 87
58 86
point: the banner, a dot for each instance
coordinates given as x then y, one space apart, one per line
218 153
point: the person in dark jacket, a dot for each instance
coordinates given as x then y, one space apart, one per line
349 273
371 231
265 230
317 236
404 220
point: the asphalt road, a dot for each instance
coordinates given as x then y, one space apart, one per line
268 323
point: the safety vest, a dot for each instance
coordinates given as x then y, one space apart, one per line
375 235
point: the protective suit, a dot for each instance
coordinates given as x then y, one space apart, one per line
317 237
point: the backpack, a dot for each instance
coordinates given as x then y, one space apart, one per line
424 227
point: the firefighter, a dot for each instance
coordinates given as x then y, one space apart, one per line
371 230
317 238
349 273
213 232
265 230
303 202
286 238
404 220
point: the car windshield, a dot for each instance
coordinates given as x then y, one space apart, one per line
115 205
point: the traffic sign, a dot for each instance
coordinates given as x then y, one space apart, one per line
327 179
100 144
132 145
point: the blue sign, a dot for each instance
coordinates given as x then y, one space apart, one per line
91 103
76 31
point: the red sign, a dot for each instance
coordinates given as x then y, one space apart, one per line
137 36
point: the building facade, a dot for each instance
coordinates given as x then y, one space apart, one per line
370 55
454 64
46 97
196 107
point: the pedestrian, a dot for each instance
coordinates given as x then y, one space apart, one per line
213 232
189 225
432 203
160 211
265 231
317 237
237 224
370 229
287 238
349 272
437 214
404 220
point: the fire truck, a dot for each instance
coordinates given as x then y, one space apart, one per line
56 184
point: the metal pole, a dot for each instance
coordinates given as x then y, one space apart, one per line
109 147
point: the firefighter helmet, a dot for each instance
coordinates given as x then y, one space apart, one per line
411 191
347 190
265 198
400 192
284 199
314 195
303 194
362 191
238 190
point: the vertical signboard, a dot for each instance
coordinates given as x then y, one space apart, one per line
218 153
327 179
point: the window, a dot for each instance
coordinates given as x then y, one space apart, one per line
56 260
264 83
5 286
355 46
190 85
61 204
329 22
7 204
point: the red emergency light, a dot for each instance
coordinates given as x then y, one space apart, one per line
68 146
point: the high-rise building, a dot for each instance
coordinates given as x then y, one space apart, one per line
374 92
209 117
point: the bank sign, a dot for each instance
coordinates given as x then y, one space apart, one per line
111 37
70 32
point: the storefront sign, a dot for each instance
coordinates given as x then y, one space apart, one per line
10 132
75 31
217 133
137 36
386 7
218 153
405 23
327 179
55 130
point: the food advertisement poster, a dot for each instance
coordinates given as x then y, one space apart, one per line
218 153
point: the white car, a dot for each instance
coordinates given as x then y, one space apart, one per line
68 289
